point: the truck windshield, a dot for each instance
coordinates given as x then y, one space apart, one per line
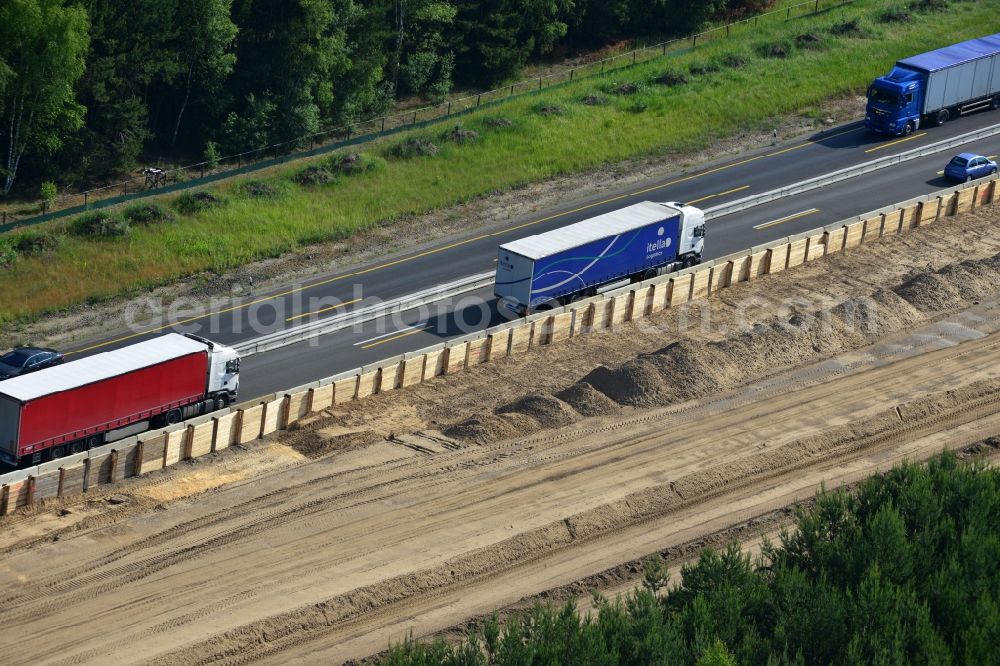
884 98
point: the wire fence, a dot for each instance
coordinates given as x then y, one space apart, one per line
154 181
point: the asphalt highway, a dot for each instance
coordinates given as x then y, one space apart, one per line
455 258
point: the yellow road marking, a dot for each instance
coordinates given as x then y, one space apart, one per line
897 141
787 218
316 312
443 248
720 194
395 337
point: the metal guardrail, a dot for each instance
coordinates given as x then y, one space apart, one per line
320 327
847 173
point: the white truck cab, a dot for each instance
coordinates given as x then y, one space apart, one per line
692 234
223 372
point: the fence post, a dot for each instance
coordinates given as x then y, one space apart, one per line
694 41
202 169
511 90
788 13
126 188
414 117
571 74
727 30
84 204
449 109
479 98
602 67
539 83
633 56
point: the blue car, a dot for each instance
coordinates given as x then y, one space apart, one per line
969 166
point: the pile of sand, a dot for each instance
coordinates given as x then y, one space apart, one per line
687 370
587 400
485 428
548 411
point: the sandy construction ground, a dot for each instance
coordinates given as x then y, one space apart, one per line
537 477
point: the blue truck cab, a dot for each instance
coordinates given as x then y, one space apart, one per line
936 86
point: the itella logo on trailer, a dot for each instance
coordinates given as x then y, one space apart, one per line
661 244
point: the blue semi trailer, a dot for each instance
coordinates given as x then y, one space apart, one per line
602 253
936 86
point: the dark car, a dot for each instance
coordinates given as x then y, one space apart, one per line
23 360
968 166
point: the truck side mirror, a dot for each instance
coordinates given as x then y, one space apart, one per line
233 366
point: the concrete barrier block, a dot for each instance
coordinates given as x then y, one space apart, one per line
297 406
777 259
321 397
873 229
174 445
640 302
891 222
127 462
853 233
390 377
659 297
226 431
621 308
601 317
964 201
251 420
200 439
498 345
345 390
271 418
722 275
151 454
520 339
797 252
478 352
73 480
909 217
45 485
927 211
366 384
757 264
816 248
833 240
99 470
543 331
434 364
986 193
680 289
413 371
456 357
18 495
560 326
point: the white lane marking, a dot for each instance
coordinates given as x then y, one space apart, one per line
422 326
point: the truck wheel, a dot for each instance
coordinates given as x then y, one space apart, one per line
221 402
908 130
172 417
942 117
57 452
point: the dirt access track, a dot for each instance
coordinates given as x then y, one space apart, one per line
539 476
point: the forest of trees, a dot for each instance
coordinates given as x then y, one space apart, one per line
903 571
89 86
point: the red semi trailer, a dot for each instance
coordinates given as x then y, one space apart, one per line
101 398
